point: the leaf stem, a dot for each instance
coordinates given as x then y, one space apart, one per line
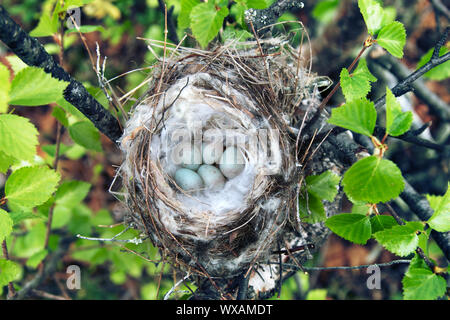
366 45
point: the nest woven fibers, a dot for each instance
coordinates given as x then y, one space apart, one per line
212 165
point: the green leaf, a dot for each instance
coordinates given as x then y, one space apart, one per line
60 115
373 180
351 226
18 137
9 271
440 220
393 38
50 149
323 186
80 222
434 201
16 63
86 29
256 4
71 193
184 20
311 208
6 224
389 15
359 116
373 15
31 186
68 4
420 283
401 240
33 241
36 258
46 27
234 34
317 294
381 222
423 241
70 109
19 216
439 72
397 121
85 134
360 207
325 10
34 87
206 21
237 11
61 216
5 162
102 217
5 86
356 85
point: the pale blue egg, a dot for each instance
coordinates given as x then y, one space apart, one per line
188 180
212 177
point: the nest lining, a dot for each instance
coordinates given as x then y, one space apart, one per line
218 233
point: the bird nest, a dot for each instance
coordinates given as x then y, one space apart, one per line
249 98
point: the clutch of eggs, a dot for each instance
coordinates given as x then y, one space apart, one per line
208 167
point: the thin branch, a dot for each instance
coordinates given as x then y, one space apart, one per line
439 107
308 269
172 34
33 53
441 8
243 287
411 137
114 238
176 285
387 264
47 295
266 17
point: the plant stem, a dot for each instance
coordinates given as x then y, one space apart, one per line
338 85
11 290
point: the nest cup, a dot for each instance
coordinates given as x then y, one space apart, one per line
234 98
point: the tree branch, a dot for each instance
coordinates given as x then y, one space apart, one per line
266 17
439 6
172 32
409 83
33 53
411 137
386 264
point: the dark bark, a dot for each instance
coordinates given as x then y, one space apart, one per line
407 84
33 54
266 17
